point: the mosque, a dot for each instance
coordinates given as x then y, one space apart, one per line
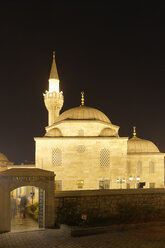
84 150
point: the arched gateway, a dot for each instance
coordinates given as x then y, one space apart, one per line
17 177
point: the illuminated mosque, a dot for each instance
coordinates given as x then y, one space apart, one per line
85 151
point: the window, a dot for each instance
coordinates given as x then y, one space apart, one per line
104 157
58 185
57 157
80 184
151 167
128 185
139 168
152 185
104 184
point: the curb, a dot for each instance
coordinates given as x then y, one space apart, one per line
77 232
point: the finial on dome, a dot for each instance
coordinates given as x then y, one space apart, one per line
82 98
53 54
134 131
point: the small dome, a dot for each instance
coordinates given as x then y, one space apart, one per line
108 132
3 158
136 145
4 161
54 132
83 113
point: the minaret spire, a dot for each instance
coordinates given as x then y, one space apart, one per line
54 79
53 97
53 72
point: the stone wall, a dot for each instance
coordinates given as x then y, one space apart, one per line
105 203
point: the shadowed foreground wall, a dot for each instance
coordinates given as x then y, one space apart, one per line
105 203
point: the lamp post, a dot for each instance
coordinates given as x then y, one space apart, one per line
135 180
120 181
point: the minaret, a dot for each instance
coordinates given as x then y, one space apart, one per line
53 98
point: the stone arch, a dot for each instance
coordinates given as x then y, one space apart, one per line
18 177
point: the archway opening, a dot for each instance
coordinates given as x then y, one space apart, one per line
27 208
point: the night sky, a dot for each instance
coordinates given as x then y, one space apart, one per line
112 50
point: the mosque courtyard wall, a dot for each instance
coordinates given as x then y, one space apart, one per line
139 204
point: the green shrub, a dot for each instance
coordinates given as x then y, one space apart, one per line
32 211
69 215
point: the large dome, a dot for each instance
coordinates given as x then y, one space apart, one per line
136 145
83 113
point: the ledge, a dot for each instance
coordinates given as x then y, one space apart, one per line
79 193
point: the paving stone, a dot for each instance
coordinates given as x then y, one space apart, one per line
144 236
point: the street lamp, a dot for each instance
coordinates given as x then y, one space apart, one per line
134 179
120 181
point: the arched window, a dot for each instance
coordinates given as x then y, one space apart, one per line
139 168
104 157
57 157
151 167
128 167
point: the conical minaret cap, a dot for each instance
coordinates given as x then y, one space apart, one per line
53 72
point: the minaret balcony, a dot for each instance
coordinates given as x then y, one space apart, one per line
53 95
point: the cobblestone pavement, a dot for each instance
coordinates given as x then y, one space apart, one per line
150 236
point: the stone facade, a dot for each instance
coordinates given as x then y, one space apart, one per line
151 171
80 160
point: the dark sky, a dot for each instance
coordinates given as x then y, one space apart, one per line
112 50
